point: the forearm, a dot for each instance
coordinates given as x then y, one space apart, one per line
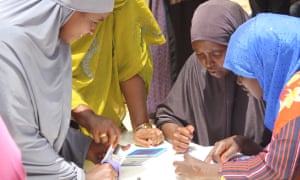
135 95
81 114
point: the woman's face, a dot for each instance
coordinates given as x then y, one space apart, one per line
80 24
251 86
211 55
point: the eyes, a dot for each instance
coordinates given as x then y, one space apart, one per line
215 55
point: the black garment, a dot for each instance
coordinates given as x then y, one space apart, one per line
180 15
274 6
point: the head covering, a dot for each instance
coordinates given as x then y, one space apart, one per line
216 20
266 48
96 6
35 96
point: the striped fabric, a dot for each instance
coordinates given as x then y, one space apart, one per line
281 158
161 80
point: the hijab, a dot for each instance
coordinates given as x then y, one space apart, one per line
217 108
266 48
216 20
35 96
31 29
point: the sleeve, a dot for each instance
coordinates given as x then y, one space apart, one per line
280 159
176 107
40 159
21 115
75 147
77 99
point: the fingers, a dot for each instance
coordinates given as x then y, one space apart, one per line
114 136
108 134
182 138
221 152
190 128
180 147
210 156
148 137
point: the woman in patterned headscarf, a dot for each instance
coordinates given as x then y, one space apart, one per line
265 54
35 98
205 104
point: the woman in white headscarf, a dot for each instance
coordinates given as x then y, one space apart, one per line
35 98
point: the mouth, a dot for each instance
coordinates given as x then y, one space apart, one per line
213 72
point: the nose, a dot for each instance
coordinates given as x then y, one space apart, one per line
209 62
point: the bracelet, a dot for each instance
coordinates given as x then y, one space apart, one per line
143 126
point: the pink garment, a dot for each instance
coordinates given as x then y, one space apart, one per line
11 167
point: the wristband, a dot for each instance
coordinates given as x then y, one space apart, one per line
143 126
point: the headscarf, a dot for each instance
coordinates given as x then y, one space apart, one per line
216 20
39 22
95 6
35 67
266 48
217 108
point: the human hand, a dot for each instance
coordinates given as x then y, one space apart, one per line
102 171
223 150
182 138
102 129
96 152
192 168
147 137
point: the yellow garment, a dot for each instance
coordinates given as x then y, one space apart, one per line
118 50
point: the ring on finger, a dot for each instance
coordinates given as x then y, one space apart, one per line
103 135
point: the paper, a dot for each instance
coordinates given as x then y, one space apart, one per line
137 156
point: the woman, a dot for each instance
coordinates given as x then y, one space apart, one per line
112 69
274 77
35 96
205 104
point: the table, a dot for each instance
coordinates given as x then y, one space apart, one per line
160 167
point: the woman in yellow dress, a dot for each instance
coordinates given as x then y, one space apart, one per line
113 68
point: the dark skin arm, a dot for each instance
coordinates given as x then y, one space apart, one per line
135 94
179 136
97 125
226 148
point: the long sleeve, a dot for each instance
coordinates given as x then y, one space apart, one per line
36 109
77 99
281 158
